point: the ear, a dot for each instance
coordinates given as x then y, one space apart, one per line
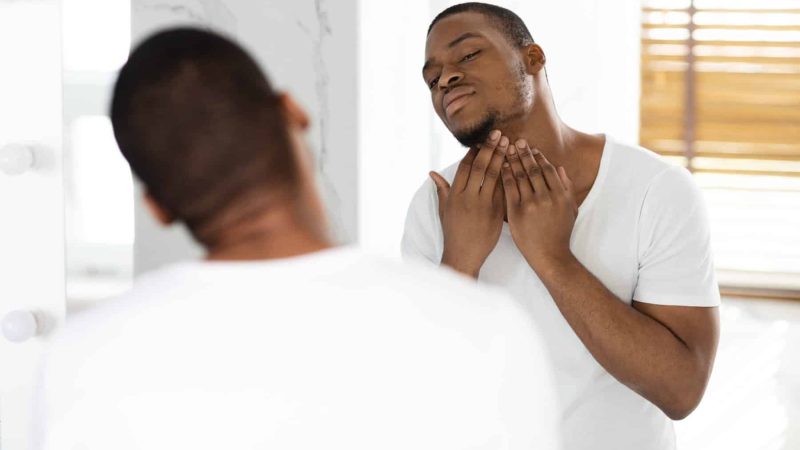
294 112
535 59
161 214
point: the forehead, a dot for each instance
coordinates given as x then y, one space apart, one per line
451 27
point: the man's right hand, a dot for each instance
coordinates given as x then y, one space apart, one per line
472 209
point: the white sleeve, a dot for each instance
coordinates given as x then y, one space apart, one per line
422 236
676 265
528 400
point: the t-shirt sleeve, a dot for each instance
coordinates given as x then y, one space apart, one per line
676 265
422 234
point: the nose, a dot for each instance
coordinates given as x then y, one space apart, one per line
449 78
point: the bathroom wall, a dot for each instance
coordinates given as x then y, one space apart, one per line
307 47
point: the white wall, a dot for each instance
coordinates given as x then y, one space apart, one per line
308 48
593 61
395 118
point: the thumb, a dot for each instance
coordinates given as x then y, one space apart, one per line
568 187
565 180
442 190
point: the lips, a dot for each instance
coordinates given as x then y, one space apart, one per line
455 99
456 104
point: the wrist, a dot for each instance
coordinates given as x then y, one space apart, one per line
461 265
553 264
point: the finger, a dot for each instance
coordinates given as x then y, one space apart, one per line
531 168
464 168
521 176
491 180
565 180
482 162
509 185
550 173
499 197
569 188
442 190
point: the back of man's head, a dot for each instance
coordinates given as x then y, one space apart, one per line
202 128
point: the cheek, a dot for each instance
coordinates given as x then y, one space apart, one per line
436 102
507 93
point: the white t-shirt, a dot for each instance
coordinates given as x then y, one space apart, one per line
643 232
333 350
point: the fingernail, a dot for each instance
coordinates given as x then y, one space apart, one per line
521 143
535 151
506 165
504 142
494 135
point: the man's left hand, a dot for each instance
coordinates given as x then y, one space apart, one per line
541 206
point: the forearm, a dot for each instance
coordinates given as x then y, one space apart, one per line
633 347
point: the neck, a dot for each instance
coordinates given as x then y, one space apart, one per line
562 145
277 233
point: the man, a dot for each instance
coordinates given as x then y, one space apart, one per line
278 339
606 244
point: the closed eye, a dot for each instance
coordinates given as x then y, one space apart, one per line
470 56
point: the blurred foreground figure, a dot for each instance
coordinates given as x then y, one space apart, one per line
278 339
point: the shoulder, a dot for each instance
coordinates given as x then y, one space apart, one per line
93 326
412 276
422 230
635 169
426 192
635 162
674 188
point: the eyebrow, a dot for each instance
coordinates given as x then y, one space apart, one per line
453 43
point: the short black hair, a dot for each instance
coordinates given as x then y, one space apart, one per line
510 24
201 126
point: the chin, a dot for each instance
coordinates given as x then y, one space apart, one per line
474 132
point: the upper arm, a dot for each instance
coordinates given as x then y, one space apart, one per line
675 259
676 284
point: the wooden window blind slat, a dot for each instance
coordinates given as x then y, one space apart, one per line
743 102
765 10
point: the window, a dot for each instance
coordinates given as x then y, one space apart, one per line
721 95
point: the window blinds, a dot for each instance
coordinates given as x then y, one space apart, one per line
721 84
